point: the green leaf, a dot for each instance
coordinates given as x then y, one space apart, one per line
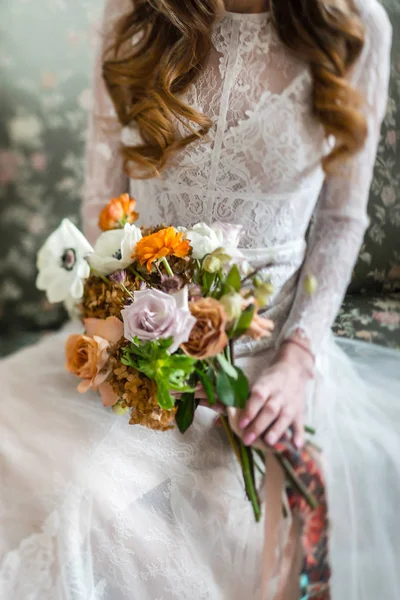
225 389
164 398
208 280
233 392
244 321
186 411
233 279
207 380
226 366
242 389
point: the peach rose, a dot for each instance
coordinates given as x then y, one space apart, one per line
260 327
118 212
87 356
208 336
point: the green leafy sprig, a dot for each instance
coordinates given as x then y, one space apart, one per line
170 372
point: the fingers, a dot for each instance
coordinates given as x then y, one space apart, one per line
298 432
280 427
262 421
254 404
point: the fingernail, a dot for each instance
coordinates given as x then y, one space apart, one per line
244 423
249 439
271 439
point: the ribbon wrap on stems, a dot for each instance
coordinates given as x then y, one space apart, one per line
296 557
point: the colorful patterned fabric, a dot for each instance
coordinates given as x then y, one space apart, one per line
316 572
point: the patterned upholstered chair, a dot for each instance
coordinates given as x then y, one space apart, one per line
44 98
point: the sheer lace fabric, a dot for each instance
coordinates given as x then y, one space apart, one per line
261 163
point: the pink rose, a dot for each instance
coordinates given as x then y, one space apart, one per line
394 273
368 336
39 161
156 315
386 317
391 137
9 163
388 195
48 80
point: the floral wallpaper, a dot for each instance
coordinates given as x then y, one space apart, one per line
371 319
45 55
378 267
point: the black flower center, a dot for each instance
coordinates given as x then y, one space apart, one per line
117 255
68 259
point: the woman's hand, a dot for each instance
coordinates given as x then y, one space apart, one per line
278 397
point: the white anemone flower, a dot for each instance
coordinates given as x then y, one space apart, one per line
62 263
113 249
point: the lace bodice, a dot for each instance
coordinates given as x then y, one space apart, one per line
261 163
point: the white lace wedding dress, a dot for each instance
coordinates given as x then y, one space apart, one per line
92 508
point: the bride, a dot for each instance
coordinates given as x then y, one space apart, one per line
258 113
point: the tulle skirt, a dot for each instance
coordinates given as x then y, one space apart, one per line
92 508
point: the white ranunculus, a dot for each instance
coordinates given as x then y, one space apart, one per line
62 263
113 249
229 233
203 239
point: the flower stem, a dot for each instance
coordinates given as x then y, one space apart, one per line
232 438
98 274
243 454
167 266
256 271
249 480
133 270
296 482
126 290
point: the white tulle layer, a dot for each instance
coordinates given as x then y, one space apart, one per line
92 508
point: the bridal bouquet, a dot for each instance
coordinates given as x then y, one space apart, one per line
162 308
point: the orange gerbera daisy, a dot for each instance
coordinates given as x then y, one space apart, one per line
167 242
118 212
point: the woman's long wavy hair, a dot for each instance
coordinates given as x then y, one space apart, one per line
173 42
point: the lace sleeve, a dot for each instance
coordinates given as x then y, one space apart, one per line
104 175
340 218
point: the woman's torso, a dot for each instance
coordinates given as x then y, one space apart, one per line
260 165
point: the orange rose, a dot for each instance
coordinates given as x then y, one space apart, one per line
208 336
166 242
118 212
86 357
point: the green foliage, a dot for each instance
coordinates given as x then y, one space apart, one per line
243 323
207 379
169 371
232 392
186 410
233 280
